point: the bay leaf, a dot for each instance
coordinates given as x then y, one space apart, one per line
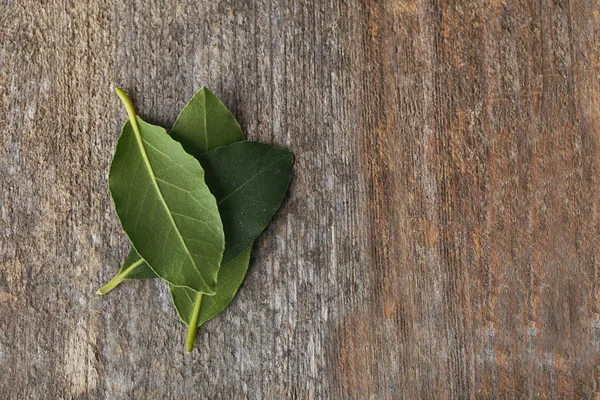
205 123
250 191
249 181
165 207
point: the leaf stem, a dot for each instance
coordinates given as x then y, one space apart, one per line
128 106
118 278
193 326
113 283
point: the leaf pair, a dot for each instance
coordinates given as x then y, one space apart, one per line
193 223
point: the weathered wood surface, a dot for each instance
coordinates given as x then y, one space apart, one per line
440 239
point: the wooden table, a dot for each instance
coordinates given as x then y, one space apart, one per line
440 239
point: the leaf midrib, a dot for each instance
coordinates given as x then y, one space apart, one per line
140 142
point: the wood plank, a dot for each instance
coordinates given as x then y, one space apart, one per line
440 238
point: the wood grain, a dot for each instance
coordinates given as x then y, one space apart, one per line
441 237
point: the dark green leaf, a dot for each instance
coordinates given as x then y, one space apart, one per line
252 180
249 181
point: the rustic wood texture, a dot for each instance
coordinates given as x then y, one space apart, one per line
441 237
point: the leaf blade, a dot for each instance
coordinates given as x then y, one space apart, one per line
249 181
205 123
167 179
190 129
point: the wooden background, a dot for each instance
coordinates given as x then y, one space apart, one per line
441 237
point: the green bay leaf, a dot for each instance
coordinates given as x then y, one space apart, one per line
249 180
165 207
205 123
